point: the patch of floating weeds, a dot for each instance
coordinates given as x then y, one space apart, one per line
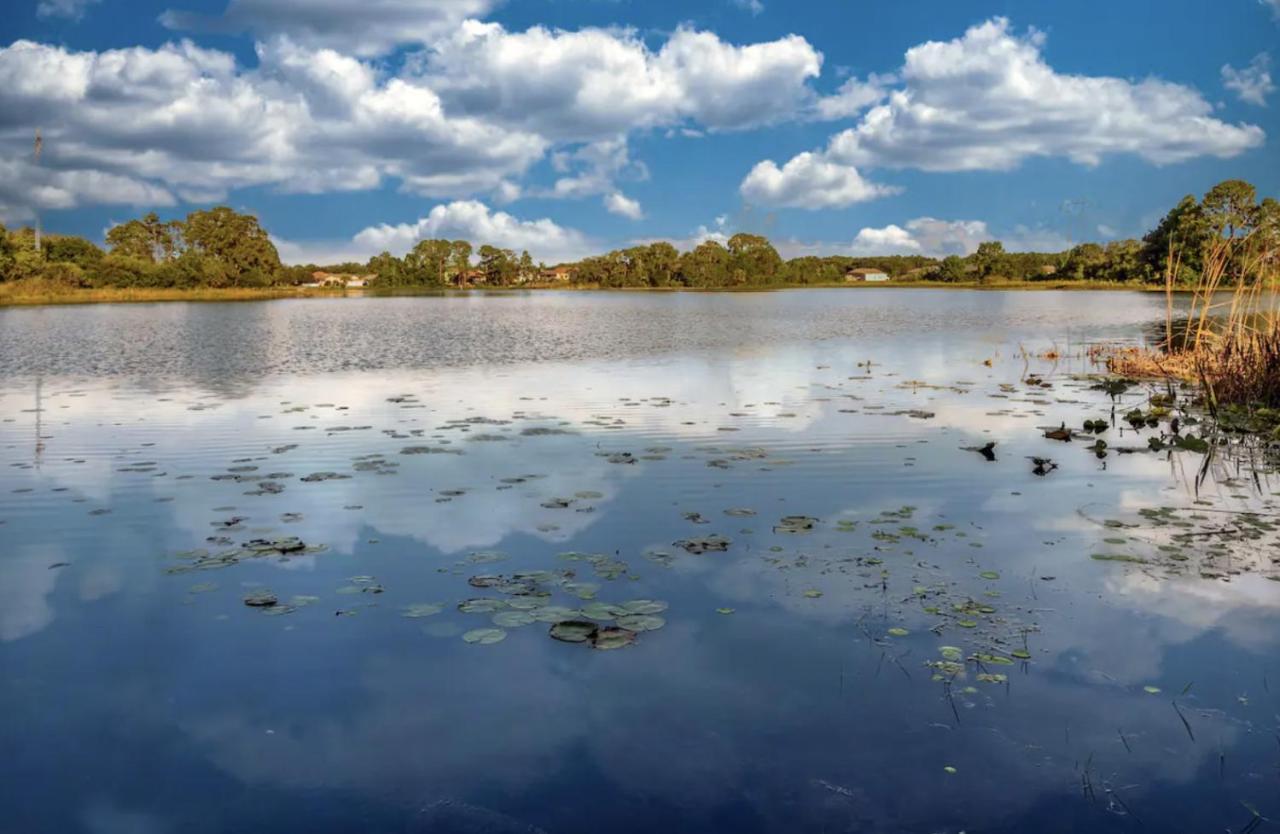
714 543
261 599
795 524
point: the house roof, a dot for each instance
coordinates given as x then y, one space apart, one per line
865 270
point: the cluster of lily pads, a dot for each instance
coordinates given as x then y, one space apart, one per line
527 598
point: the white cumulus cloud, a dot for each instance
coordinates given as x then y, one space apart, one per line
474 221
469 115
367 28
988 100
596 83
68 9
809 181
1253 83
931 237
620 204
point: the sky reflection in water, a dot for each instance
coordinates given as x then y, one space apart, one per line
133 704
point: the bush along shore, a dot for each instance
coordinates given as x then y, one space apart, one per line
1205 247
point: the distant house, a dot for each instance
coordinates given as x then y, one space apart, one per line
558 274
339 280
863 273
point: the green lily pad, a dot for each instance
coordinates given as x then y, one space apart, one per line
481 605
421 609
898 632
613 638
555 614
512 619
485 636
644 606
641 622
573 631
602 611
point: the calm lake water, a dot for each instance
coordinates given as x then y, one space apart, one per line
926 644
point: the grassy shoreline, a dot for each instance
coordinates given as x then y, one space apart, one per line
15 295
18 294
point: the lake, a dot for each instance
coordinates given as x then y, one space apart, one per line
295 566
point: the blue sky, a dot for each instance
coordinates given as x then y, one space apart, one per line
571 126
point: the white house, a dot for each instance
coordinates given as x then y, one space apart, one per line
865 274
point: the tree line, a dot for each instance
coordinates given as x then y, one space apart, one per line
220 247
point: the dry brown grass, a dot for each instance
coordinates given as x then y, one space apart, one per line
36 291
1230 342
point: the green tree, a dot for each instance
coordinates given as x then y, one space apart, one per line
989 259
499 266
428 262
952 268
148 239
707 265
234 241
1230 208
389 269
663 261
72 250
459 262
755 258
1085 263
6 254
1176 245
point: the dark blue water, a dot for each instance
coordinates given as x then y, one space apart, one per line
931 648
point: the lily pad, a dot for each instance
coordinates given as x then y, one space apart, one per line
602 611
485 636
644 606
555 614
481 605
512 619
260 599
573 631
613 638
641 622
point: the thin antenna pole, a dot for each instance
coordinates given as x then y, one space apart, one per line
39 148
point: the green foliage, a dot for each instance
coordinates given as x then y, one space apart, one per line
989 259
498 267
6 254
71 250
752 258
147 239
240 250
708 265
223 248
1176 244
952 268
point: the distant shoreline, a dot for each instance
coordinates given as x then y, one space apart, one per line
13 296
